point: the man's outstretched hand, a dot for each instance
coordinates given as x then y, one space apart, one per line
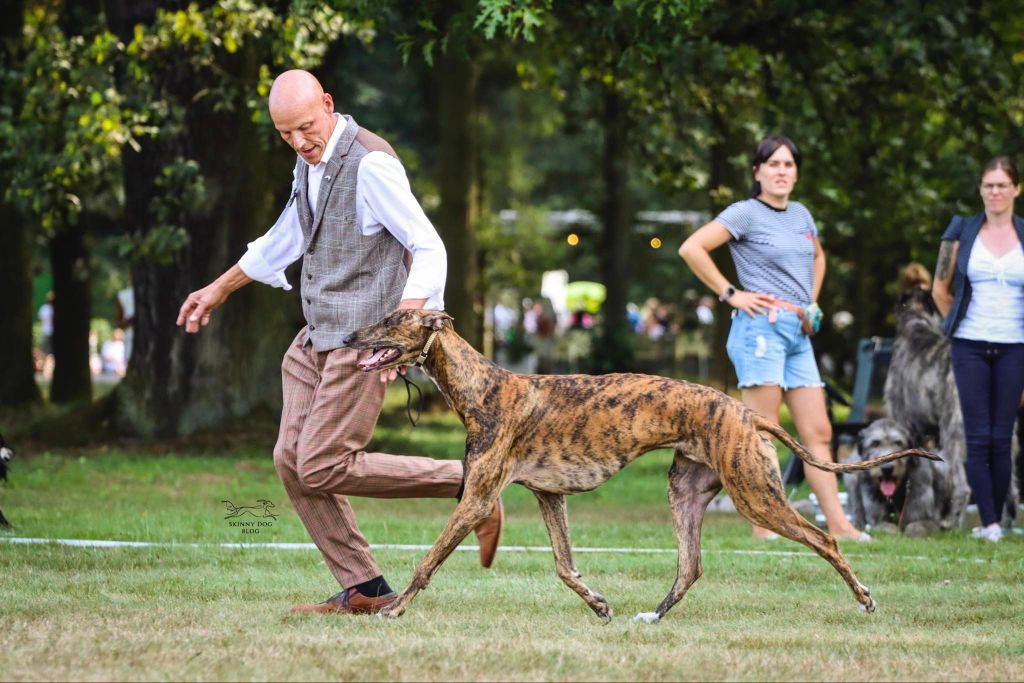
196 310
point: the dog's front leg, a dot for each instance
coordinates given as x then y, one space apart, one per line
556 517
476 504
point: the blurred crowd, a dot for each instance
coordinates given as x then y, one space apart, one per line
110 344
535 337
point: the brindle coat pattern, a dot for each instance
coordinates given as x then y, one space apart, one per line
560 435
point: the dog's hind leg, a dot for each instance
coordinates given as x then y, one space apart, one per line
691 486
556 517
755 484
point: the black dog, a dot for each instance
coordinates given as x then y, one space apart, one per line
5 455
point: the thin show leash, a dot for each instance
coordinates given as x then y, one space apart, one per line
409 383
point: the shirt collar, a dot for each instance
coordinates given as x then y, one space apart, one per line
339 127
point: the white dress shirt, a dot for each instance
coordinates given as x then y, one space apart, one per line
996 311
384 200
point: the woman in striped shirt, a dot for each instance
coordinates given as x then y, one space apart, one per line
781 266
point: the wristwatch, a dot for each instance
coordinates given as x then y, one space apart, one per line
727 293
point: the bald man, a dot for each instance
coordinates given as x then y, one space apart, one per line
366 248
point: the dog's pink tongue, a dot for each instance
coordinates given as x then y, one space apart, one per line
374 359
888 488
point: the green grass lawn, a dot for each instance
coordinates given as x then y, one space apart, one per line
950 607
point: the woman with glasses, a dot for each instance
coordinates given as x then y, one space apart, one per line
982 259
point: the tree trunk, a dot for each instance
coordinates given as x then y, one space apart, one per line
614 349
458 181
727 144
176 382
17 379
72 306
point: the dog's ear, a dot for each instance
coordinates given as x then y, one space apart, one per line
435 319
861 450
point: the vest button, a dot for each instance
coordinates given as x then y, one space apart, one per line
308 301
309 276
309 251
312 327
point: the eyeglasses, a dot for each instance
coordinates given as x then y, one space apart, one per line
989 188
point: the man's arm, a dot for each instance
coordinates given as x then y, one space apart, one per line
265 261
388 201
269 255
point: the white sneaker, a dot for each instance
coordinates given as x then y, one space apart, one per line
990 533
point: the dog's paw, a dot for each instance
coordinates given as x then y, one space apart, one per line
647 617
601 608
868 608
390 613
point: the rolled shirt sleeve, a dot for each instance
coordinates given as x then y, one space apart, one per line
269 255
388 203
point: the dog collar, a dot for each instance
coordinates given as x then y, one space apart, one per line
426 349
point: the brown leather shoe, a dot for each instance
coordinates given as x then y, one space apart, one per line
348 601
488 533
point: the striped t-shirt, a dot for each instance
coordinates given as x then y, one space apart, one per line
773 249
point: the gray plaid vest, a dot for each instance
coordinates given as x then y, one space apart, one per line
348 279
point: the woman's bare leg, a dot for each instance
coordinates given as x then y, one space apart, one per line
807 406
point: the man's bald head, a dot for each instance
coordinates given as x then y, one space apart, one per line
302 113
293 88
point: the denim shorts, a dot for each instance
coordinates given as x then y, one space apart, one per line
767 353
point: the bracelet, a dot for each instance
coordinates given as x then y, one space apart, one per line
727 293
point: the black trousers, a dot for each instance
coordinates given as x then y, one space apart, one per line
990 379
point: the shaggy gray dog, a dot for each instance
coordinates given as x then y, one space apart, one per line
921 395
920 392
910 497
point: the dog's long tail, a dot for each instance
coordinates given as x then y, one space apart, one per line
782 435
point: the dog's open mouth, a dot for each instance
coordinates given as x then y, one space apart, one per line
888 487
378 358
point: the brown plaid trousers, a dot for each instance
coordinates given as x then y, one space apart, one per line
330 410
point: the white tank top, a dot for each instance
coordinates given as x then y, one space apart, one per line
996 310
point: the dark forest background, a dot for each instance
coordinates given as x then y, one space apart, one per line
137 150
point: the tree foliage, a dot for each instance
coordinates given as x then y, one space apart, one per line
144 121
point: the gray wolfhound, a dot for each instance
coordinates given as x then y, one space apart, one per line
921 394
911 496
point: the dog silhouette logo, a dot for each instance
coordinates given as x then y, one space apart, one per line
262 509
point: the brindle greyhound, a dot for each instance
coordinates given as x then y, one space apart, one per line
559 435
